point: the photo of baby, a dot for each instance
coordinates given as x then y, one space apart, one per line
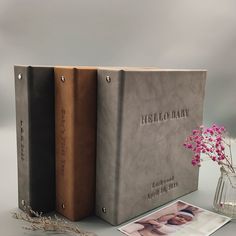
178 218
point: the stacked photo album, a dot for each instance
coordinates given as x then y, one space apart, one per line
105 140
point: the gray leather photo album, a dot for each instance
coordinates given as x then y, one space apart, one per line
144 116
35 128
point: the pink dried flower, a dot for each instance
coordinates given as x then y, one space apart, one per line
195 131
222 129
218 139
194 162
209 142
198 149
189 146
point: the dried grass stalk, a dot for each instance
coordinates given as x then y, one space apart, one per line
48 223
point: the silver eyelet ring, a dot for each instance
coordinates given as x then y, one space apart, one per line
63 79
108 79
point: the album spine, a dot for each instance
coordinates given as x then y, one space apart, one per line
109 128
75 141
34 96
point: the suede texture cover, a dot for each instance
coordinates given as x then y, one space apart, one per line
34 94
144 117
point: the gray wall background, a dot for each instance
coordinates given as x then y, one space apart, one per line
166 34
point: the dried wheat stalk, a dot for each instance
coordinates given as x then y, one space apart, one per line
47 223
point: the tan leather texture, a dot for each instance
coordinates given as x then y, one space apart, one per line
75 122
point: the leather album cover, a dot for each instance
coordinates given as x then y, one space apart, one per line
34 95
75 118
144 116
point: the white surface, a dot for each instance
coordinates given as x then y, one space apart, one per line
8 195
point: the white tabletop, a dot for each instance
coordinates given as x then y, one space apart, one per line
209 174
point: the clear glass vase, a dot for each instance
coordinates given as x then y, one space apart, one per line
225 195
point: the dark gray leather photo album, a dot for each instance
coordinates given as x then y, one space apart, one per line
34 94
144 116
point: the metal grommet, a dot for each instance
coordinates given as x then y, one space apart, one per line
104 210
19 76
63 206
63 79
108 79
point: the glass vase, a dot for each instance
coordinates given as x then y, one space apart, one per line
225 195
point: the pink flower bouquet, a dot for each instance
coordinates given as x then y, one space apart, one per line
210 142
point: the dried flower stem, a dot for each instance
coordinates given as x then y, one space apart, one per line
230 151
47 223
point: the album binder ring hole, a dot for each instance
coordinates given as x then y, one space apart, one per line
63 79
108 79
63 206
23 202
